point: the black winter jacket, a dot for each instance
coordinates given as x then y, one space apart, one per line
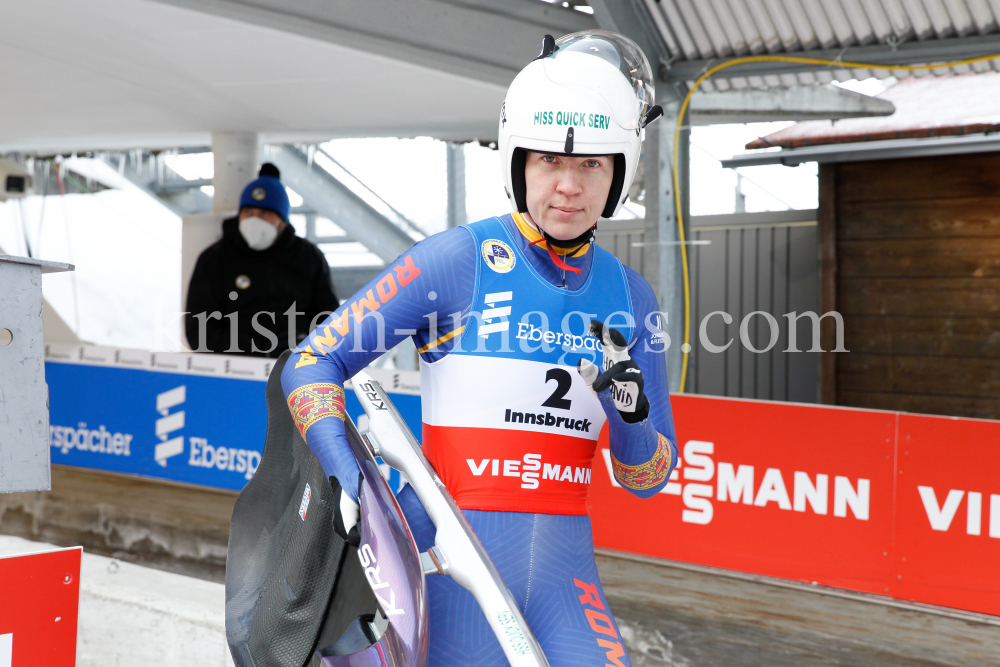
291 271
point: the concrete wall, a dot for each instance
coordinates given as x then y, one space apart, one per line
173 527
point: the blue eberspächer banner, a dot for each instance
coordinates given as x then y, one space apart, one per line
192 418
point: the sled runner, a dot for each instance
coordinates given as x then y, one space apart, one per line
457 551
298 595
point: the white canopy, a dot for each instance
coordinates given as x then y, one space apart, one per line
128 73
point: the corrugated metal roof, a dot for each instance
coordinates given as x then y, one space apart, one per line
707 29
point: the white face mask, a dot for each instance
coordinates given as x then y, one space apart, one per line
258 233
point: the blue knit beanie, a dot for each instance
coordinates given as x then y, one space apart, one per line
267 192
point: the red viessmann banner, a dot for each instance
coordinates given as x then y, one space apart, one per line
881 502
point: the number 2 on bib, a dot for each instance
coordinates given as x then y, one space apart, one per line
563 382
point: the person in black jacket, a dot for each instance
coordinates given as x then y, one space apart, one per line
260 289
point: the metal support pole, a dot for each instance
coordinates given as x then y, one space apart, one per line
311 227
741 199
663 267
236 157
662 255
456 185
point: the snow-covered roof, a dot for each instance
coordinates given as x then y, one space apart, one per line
925 107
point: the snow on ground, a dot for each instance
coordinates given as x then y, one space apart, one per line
125 245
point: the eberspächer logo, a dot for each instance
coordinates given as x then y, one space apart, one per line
169 423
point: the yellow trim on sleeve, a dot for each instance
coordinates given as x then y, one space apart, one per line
443 339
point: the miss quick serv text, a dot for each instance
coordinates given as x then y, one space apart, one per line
575 118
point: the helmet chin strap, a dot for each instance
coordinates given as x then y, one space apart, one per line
586 237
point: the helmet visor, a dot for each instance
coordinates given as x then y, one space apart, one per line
622 53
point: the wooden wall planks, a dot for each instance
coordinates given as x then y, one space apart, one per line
914 259
940 297
920 258
920 218
912 179
938 375
928 336
967 406
828 280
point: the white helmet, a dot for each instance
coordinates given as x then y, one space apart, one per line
587 93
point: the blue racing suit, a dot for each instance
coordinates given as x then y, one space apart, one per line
481 366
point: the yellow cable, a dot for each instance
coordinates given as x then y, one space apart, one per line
839 64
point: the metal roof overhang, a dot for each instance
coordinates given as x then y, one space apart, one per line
870 150
907 53
688 37
485 40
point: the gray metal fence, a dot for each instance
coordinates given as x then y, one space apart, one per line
764 263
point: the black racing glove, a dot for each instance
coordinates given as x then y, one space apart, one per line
620 374
346 513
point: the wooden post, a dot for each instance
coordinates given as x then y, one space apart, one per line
828 279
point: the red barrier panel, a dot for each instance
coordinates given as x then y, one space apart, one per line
948 512
38 615
811 493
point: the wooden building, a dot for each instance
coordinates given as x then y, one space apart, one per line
909 222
